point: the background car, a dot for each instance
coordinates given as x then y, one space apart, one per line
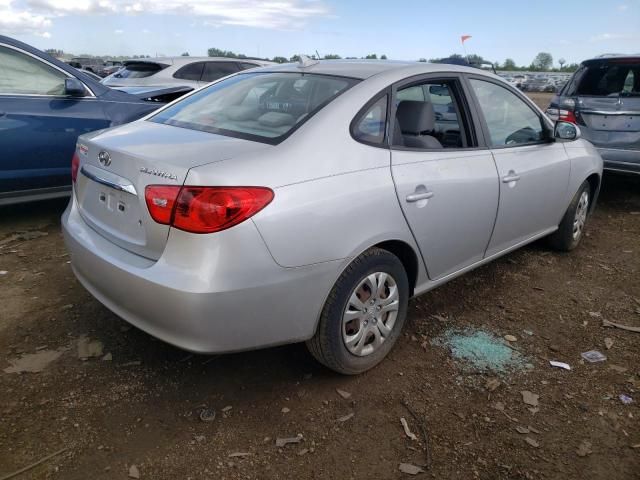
44 105
91 64
603 98
189 71
110 66
359 196
538 84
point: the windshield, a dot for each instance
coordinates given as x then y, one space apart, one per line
257 106
610 79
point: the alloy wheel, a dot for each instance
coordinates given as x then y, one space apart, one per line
370 314
580 217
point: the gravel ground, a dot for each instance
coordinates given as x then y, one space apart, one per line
138 406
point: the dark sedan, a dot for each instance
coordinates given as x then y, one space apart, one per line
44 105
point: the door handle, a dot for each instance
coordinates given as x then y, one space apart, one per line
510 177
416 197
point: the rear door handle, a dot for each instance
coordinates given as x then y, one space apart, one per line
510 177
416 197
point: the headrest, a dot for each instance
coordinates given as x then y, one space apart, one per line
276 119
241 112
416 117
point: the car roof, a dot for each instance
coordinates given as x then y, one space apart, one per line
363 69
184 60
612 56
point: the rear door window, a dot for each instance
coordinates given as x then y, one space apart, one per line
215 70
428 116
246 66
192 71
139 70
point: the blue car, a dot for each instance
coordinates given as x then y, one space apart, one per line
44 105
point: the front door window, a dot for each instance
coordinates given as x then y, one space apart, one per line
24 75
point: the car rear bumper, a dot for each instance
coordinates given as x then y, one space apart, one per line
621 160
207 293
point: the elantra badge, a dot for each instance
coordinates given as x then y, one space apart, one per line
158 173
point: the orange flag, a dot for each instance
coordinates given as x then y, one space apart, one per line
464 37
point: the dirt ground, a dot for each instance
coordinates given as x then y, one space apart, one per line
540 98
140 402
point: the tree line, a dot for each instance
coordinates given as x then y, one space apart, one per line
543 61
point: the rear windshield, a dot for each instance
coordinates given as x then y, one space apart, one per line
608 79
139 70
257 106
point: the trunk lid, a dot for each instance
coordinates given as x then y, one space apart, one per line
612 122
607 94
116 165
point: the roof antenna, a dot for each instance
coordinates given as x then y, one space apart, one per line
305 62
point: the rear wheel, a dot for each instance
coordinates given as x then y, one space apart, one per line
363 315
571 228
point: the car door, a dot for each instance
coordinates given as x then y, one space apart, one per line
533 169
216 70
39 124
446 183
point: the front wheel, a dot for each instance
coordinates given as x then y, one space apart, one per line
363 315
571 228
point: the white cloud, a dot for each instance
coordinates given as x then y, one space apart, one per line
35 16
13 21
604 37
622 8
118 32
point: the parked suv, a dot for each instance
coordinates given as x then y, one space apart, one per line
188 71
603 98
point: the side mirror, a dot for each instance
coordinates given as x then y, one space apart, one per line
74 87
566 132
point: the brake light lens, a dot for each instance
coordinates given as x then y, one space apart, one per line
567 116
75 165
205 209
160 201
561 115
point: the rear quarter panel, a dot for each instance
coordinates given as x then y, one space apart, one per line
334 197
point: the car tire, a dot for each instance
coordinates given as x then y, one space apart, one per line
335 329
571 228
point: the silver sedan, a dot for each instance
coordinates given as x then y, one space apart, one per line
309 202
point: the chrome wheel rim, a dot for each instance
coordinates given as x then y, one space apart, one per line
581 215
370 314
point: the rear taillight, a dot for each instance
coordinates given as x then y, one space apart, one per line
562 110
75 164
567 116
205 209
160 201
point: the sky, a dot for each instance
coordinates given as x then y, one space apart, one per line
401 29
